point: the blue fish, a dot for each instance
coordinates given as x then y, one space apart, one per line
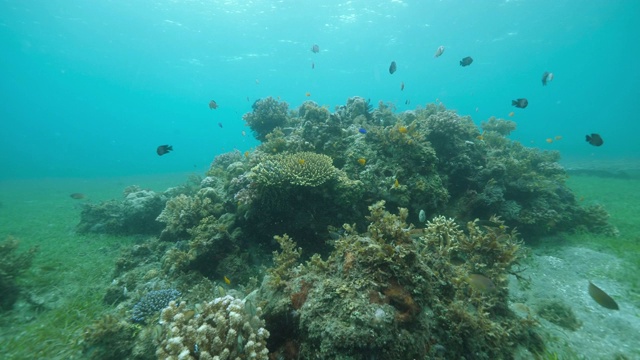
362 131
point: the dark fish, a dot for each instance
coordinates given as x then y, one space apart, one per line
602 298
220 124
315 49
595 140
520 103
313 65
546 77
164 149
407 102
466 61
77 196
392 67
402 86
213 105
488 223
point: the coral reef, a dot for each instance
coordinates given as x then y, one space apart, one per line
358 282
12 265
388 294
224 328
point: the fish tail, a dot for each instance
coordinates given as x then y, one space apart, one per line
514 103
588 138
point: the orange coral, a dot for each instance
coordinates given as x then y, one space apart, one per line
400 299
299 298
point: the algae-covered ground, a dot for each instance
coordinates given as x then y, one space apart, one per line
62 292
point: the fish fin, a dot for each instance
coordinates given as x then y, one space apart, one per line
588 138
514 102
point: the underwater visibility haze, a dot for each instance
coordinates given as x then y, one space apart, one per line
329 179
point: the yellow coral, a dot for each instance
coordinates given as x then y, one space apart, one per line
303 169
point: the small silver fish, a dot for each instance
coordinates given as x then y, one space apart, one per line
422 216
439 51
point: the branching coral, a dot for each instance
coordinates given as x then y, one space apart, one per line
267 115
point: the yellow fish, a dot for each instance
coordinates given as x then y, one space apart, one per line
558 137
301 161
227 281
549 140
396 184
246 154
402 129
307 94
362 161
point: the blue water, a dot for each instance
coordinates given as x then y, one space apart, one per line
92 88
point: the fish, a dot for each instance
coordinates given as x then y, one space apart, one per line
246 154
213 105
558 137
164 149
595 140
602 298
520 103
226 280
422 216
77 196
402 86
481 283
301 161
307 94
489 223
439 51
396 184
315 49
244 133
362 131
362 161
466 61
220 124
511 114
407 102
392 67
313 65
403 129
549 140
546 77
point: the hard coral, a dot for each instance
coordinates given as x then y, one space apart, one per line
301 169
225 328
267 115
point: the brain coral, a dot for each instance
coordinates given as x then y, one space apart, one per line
302 169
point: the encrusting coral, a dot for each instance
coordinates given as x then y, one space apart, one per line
224 328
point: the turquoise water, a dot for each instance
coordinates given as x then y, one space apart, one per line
92 88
